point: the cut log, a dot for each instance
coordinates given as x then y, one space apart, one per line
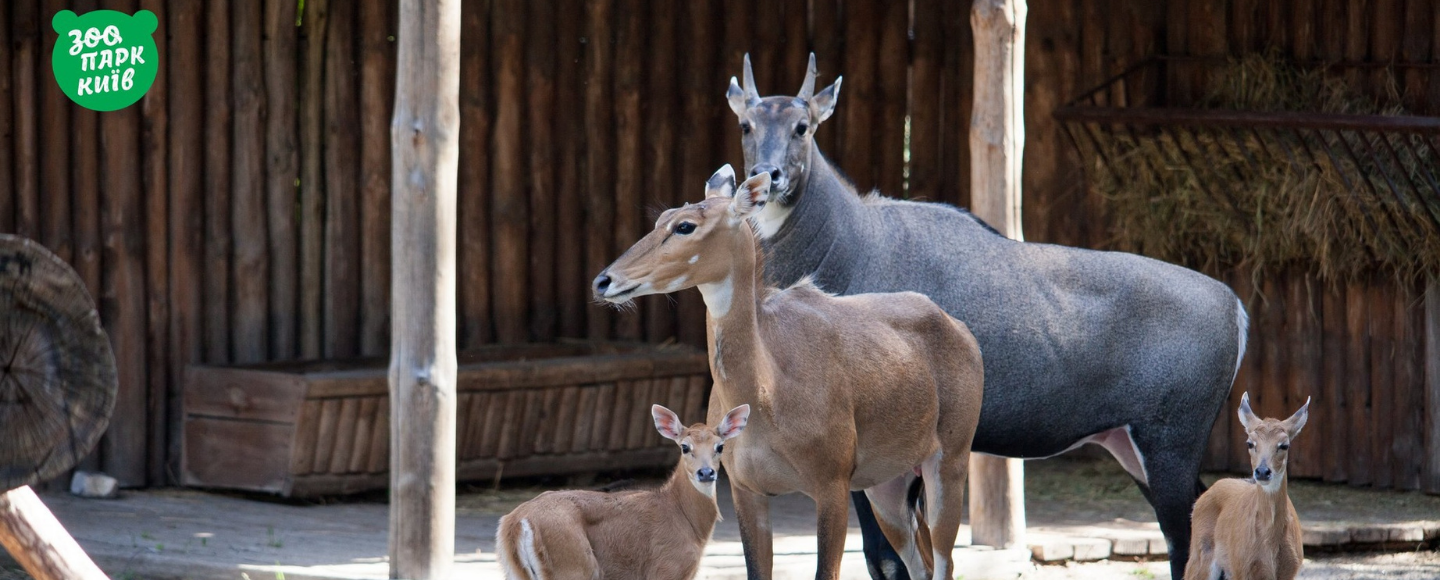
38 541
997 141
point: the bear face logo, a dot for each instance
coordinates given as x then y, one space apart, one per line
105 60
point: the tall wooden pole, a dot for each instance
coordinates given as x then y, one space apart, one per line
38 542
425 137
997 141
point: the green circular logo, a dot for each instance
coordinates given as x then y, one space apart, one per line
105 60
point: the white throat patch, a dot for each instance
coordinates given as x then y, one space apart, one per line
718 296
768 221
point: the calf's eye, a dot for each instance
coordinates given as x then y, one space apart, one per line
685 228
719 448
685 449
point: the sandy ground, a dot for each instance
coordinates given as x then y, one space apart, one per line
1406 566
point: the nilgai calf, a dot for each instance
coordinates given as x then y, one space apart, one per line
1247 529
850 393
658 534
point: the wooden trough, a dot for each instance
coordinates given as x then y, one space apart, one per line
316 428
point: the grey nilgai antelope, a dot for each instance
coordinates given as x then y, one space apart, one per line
658 534
1080 346
1247 529
849 393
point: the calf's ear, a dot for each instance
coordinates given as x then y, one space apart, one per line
666 422
1296 422
1248 420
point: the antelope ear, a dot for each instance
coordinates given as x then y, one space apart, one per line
734 422
822 105
1296 422
666 422
722 183
736 96
1248 420
751 196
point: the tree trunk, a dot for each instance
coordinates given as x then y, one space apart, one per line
425 140
38 541
997 140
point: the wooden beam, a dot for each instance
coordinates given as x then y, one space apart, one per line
1431 474
38 541
425 141
997 141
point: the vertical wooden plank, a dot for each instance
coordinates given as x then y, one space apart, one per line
307 434
1247 379
1245 20
702 87
164 396
1408 444
572 291
540 53
827 39
860 95
637 418
474 425
731 47
763 25
1045 180
1335 438
25 50
7 134
604 411
599 204
661 177
248 214
217 182
1274 363
530 439
545 430
474 184
1415 47
362 434
957 80
584 418
509 210
377 79
794 49
619 416
926 100
494 415
565 417
510 424
1357 383
55 191
314 23
122 298
186 216
379 455
1304 377
325 441
282 162
342 217
1382 380
696 396
630 33
339 460
893 92
1432 386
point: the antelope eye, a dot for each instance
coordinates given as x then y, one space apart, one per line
801 129
685 228
719 448
685 448
1250 444
745 128
1284 446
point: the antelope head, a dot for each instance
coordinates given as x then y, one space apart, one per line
701 446
692 245
1269 442
778 133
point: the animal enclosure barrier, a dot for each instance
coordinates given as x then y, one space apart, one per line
312 428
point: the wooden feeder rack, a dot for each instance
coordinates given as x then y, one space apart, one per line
322 427
1370 152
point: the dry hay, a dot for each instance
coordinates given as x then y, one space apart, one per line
1213 197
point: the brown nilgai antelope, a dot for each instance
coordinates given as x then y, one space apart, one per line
1247 529
862 392
658 534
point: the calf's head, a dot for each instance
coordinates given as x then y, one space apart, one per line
701 446
690 246
1269 442
778 133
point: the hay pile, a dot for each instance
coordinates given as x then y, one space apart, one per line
1214 198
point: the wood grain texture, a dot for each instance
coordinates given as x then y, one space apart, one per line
1333 436
341 297
282 60
7 130
55 191
186 217
1408 429
38 542
476 118
630 33
540 65
1382 382
509 208
893 94
248 214
314 24
217 182
1357 384
572 288
663 188
1431 477
377 79
599 205
25 54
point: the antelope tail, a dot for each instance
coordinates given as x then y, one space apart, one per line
516 550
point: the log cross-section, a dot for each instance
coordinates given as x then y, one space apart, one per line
997 139
425 137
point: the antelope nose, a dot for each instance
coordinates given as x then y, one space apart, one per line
775 172
705 474
602 283
1262 474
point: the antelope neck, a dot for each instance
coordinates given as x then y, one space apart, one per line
732 319
698 509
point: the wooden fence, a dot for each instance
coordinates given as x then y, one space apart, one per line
240 212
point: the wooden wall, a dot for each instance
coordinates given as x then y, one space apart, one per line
240 212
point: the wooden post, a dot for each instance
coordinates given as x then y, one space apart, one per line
425 137
38 541
997 140
1431 476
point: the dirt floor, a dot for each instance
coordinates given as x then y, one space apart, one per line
1406 566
